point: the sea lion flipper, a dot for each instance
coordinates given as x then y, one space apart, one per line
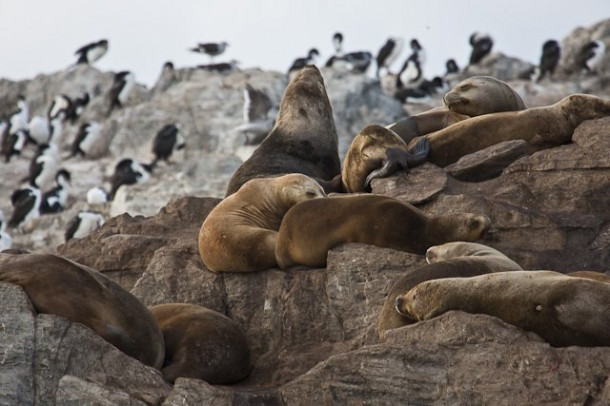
396 159
420 153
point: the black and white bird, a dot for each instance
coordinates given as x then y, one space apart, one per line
13 144
122 86
167 140
86 138
259 115
481 47
91 52
56 129
388 53
211 49
39 130
452 67
77 107
358 61
590 56
128 171
43 166
83 224
26 203
5 238
549 59
20 117
60 104
222 67
300 63
55 200
411 74
338 43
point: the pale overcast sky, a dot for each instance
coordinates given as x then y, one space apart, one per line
41 36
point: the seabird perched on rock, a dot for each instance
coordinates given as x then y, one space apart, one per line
411 74
19 119
338 43
590 55
43 166
5 238
481 47
388 53
452 67
128 172
26 203
39 130
549 59
83 224
258 116
54 200
57 129
91 52
358 61
60 103
300 63
167 140
86 138
13 144
121 88
222 67
77 107
211 49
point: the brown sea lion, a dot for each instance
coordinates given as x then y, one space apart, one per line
311 228
451 260
377 152
58 286
471 97
201 343
303 139
563 310
239 233
598 276
541 127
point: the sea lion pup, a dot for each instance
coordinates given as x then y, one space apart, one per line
201 343
457 259
311 228
459 249
471 97
541 127
377 152
303 139
56 285
563 310
239 233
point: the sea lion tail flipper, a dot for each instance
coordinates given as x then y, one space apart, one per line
420 153
396 159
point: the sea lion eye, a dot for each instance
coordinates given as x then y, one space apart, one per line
465 87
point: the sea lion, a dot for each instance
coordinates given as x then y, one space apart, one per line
563 310
313 227
451 260
56 285
541 127
239 233
303 139
598 276
377 152
471 97
201 343
460 249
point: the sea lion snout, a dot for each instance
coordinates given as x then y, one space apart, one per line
453 98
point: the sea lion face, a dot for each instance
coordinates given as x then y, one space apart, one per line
461 226
457 249
295 188
480 95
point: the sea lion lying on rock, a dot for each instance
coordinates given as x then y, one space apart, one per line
56 285
201 343
313 227
563 310
239 234
451 260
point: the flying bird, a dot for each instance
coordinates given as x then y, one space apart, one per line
91 52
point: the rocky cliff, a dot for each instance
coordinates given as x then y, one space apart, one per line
312 334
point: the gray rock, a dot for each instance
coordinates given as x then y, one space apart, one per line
487 163
416 186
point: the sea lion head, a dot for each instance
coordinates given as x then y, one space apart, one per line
480 95
458 249
295 188
459 227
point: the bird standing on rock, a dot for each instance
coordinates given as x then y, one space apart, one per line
91 52
388 53
481 47
300 63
